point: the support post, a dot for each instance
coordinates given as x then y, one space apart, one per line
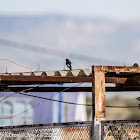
98 101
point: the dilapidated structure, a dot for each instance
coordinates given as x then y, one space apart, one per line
124 78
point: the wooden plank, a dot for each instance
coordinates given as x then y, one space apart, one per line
99 93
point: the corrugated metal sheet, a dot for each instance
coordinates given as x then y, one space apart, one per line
80 73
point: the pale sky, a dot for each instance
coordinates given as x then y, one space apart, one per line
115 9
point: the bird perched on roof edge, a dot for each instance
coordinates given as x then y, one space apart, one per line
68 63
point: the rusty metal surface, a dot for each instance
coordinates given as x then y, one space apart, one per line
115 80
120 130
70 76
25 80
58 131
43 78
117 69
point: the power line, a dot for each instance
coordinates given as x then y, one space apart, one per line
7 97
53 99
63 101
43 50
15 92
51 96
74 103
46 99
40 102
71 102
28 89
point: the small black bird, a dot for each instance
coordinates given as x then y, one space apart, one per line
68 63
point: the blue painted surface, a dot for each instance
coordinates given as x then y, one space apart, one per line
48 112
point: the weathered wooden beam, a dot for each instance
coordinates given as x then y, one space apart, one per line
98 101
118 69
99 92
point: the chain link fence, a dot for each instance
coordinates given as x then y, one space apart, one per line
110 130
120 130
58 131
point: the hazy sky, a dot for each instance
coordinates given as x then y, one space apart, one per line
116 9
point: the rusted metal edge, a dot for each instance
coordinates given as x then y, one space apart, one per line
51 79
25 80
117 69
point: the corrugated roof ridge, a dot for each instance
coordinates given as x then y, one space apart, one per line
79 72
136 65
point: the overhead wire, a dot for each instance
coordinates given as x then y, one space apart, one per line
70 102
52 96
46 99
28 89
7 97
16 64
16 92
